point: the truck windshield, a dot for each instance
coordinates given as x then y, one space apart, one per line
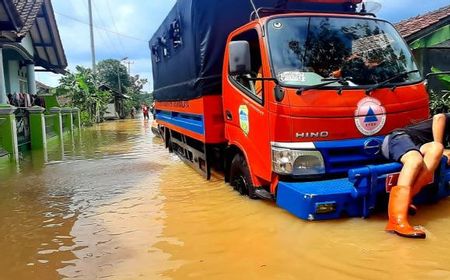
306 50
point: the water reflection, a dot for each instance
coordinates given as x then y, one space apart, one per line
112 203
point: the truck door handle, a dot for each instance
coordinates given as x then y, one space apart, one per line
228 115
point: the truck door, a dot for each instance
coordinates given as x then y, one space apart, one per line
244 109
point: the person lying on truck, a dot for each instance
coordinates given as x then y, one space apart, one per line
359 67
420 148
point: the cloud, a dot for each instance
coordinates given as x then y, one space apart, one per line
123 28
137 20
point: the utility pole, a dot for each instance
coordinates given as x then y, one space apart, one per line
91 25
129 63
118 74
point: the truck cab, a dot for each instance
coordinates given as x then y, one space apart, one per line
292 105
310 96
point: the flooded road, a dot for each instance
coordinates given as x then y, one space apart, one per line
111 203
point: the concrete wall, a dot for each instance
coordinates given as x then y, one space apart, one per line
13 75
27 43
6 72
13 69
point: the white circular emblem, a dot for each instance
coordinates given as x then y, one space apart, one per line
370 116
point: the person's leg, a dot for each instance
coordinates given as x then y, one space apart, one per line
412 164
399 197
432 155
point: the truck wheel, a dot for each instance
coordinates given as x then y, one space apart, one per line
240 178
168 140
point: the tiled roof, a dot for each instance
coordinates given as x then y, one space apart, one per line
413 25
28 11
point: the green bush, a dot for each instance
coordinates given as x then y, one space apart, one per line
86 119
440 100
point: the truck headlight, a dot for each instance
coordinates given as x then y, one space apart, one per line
297 162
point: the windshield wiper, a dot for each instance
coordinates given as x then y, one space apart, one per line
327 81
385 82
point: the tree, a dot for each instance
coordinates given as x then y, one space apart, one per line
136 94
80 88
110 71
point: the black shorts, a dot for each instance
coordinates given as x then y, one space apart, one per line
396 144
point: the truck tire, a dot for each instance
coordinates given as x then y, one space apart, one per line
240 178
168 140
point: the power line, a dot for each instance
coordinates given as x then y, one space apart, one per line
114 24
112 42
101 28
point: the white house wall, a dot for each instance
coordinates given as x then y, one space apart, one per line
13 69
27 43
15 74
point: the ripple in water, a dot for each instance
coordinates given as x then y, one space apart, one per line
111 203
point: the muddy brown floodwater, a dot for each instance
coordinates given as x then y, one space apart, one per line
111 203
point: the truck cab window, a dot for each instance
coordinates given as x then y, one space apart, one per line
306 50
252 88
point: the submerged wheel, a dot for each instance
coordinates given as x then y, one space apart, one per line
168 140
240 178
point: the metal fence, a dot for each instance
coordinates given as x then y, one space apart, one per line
64 122
50 126
23 126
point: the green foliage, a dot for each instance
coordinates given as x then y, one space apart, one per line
440 100
80 88
86 119
444 79
110 71
137 97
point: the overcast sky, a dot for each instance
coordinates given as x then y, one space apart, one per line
123 28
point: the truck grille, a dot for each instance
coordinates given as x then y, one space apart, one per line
342 155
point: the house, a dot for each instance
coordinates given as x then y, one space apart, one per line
116 106
29 42
429 38
42 88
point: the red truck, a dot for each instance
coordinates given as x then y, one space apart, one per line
291 99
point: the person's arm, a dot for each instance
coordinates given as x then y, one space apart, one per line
439 121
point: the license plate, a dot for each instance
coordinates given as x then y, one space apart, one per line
391 181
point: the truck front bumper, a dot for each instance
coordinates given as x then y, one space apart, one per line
354 196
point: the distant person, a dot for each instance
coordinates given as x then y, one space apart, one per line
133 112
145 112
419 148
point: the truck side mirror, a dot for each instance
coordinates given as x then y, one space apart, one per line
239 58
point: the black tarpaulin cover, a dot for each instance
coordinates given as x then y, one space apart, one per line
188 48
